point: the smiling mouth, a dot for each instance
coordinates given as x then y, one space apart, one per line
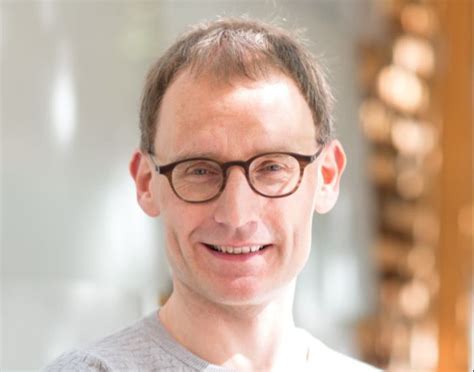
237 250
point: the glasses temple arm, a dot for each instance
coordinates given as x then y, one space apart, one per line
157 167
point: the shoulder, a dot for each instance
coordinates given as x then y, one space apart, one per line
133 348
321 357
78 360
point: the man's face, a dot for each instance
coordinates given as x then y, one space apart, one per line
229 122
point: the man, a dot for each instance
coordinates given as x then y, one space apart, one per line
236 155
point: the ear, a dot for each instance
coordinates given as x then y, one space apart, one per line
330 169
142 173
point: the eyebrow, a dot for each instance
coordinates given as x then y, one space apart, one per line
184 156
215 156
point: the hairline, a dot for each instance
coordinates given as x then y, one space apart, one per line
231 80
294 61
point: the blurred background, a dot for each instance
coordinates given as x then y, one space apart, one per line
389 279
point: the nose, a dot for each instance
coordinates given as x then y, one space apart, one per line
238 204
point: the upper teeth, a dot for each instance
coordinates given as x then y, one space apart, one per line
238 250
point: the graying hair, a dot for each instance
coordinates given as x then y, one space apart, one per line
237 47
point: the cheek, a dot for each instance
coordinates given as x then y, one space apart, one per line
180 219
299 214
291 220
301 241
300 205
171 215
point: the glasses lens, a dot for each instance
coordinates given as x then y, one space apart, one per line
274 174
197 180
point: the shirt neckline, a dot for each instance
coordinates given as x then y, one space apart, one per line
160 336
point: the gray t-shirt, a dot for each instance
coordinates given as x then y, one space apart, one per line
147 346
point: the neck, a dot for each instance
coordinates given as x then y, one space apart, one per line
244 337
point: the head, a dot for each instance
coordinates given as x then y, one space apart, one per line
230 90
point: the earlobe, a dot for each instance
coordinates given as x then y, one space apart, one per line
142 175
330 169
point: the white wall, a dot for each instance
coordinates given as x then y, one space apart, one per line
79 258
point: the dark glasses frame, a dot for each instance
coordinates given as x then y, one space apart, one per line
167 170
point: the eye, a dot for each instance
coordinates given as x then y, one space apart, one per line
270 167
199 171
273 167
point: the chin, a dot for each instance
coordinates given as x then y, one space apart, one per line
244 292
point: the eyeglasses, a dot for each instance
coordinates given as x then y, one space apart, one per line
273 175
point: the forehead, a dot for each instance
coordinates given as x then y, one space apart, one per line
235 119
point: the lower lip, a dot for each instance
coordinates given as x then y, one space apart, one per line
237 257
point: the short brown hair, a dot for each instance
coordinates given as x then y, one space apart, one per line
234 47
